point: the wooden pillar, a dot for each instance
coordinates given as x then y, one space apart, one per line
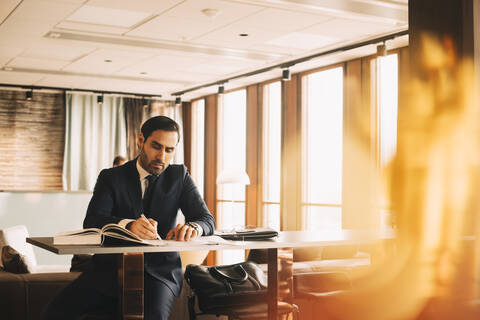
358 158
254 136
290 196
187 134
211 111
131 285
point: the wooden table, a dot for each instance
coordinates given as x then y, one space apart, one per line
131 259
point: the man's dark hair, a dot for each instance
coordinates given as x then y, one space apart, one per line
159 123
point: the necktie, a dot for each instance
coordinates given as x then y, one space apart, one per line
147 197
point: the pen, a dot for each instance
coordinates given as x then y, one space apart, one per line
143 216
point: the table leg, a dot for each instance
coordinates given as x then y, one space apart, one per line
130 285
272 284
285 274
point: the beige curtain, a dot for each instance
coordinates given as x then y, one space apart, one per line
94 135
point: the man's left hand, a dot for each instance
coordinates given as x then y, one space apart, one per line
182 232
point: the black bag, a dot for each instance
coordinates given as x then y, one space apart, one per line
227 286
249 234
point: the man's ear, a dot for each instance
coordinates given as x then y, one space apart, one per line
140 141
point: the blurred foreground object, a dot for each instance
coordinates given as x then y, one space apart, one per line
434 270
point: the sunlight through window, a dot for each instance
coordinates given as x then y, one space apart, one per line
272 154
232 157
322 149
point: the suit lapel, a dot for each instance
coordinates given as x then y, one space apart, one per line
134 189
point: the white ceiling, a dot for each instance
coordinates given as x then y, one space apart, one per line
163 46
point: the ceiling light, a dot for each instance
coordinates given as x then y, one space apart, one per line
221 89
382 50
54 35
178 100
286 76
243 34
143 72
100 99
210 12
29 95
107 60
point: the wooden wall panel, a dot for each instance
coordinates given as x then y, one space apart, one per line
210 194
32 135
290 197
253 160
187 134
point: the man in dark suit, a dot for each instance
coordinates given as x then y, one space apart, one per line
144 196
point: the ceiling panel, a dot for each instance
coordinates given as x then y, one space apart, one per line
66 81
163 64
25 27
7 7
33 63
347 29
57 52
276 49
96 61
20 78
305 41
224 66
230 36
71 1
283 20
128 85
7 51
173 28
186 21
228 11
4 60
68 25
43 10
151 6
108 16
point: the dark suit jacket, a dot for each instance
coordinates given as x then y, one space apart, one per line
117 196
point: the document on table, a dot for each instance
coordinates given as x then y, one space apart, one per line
212 240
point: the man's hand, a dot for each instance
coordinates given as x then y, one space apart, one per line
144 228
182 232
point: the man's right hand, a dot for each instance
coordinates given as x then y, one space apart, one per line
145 229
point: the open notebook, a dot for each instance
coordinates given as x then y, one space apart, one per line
110 234
114 235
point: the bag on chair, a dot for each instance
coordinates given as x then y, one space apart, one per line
227 286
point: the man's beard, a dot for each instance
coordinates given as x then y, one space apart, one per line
149 166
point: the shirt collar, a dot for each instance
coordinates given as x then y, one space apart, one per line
141 172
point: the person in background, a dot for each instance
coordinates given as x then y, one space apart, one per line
143 196
119 161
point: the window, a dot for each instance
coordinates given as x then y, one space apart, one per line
232 117
198 143
385 112
272 154
322 143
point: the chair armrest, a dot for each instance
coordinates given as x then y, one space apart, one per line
319 295
320 282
